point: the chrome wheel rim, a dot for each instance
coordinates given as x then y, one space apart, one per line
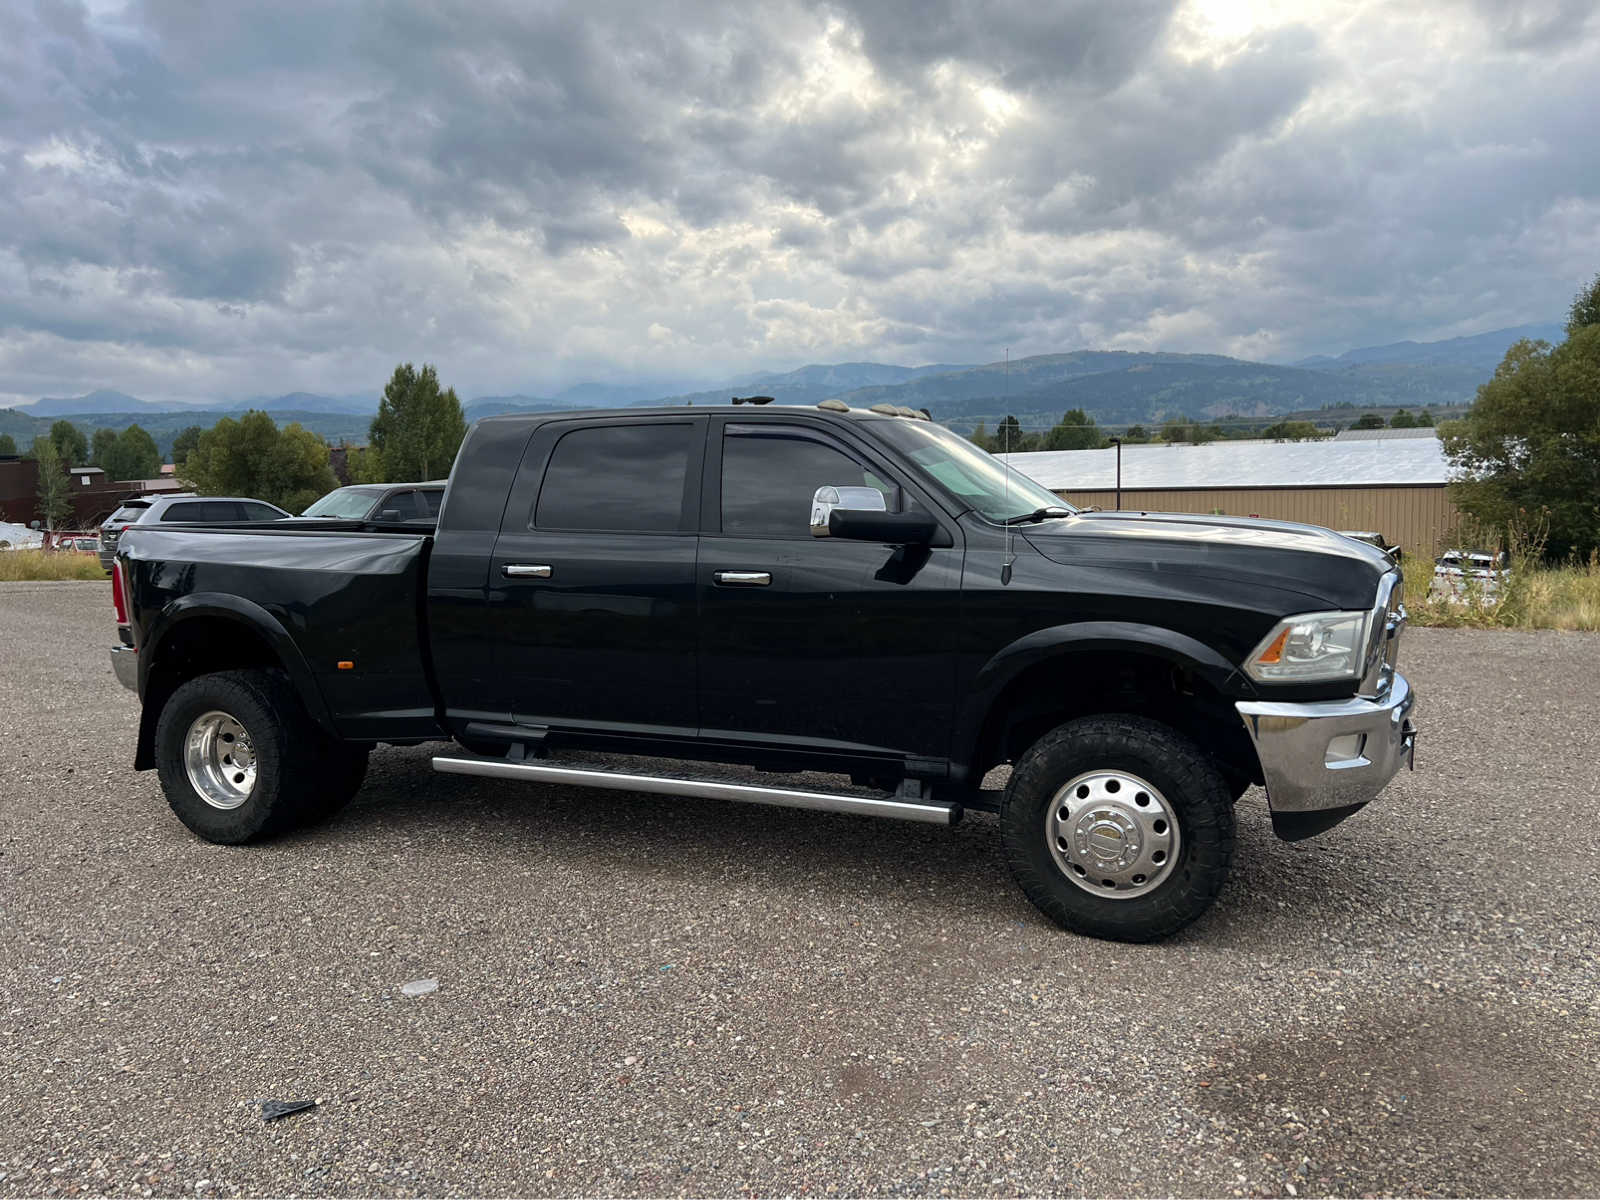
220 760
1113 834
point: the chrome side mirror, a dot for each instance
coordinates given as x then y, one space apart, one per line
861 514
829 500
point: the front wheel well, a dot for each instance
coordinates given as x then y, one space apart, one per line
1094 683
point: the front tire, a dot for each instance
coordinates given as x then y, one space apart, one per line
238 757
1118 827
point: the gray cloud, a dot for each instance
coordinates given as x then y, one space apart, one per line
227 201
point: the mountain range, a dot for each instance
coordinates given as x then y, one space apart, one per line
1114 387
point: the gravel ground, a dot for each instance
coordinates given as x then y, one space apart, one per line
641 996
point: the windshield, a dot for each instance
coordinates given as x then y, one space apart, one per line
973 476
344 504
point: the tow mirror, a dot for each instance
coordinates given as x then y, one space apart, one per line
860 514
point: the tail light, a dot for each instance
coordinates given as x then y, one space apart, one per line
119 592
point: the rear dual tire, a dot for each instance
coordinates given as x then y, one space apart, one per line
1118 827
240 759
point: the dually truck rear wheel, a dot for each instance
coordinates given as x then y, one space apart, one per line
1118 827
239 758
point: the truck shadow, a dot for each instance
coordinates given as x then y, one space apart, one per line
1279 892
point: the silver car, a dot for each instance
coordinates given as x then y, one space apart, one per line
181 506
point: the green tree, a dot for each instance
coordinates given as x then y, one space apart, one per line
8 444
981 438
131 454
1402 420
183 445
70 444
103 450
1178 430
1585 310
1292 431
1425 419
418 428
1010 439
253 457
1531 442
1136 433
1075 431
54 488
363 465
1368 421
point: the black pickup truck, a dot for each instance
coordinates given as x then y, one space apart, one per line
859 593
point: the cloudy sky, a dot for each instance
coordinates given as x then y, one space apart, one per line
203 201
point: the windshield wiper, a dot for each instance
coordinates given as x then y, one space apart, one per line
1038 514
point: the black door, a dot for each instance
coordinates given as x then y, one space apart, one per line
819 643
591 601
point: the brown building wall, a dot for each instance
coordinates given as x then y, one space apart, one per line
1418 517
19 496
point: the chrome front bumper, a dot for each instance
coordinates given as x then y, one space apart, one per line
1334 754
125 666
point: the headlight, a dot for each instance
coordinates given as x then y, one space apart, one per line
1311 648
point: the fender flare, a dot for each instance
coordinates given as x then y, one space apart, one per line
1081 637
239 611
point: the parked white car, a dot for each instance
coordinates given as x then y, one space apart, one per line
1453 570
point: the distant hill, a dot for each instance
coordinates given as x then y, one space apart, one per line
1480 351
1115 387
811 384
494 406
164 425
310 402
103 400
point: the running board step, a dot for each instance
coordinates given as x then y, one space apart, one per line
716 789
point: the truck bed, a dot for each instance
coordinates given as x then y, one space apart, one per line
345 596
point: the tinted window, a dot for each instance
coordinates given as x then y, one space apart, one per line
399 506
202 510
431 501
260 512
769 476
622 477
194 510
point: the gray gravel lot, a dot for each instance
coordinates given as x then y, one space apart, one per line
640 995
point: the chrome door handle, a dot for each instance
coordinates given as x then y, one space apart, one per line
743 578
526 571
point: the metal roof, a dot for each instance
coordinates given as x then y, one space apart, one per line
1241 464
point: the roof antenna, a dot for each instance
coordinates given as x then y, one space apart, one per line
1005 445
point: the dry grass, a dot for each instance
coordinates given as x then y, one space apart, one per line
37 564
1533 596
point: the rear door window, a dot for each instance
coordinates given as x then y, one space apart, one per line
254 511
190 510
618 478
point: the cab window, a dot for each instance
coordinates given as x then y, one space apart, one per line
769 474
